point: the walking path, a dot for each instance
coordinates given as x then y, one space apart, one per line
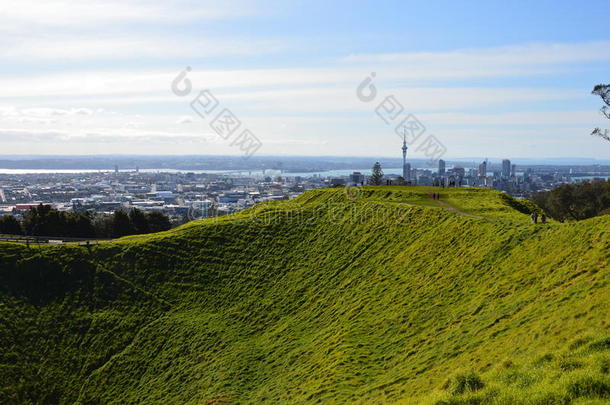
448 207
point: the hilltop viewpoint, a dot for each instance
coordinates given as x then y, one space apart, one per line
358 295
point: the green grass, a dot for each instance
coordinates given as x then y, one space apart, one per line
574 375
377 295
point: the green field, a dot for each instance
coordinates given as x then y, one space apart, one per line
362 295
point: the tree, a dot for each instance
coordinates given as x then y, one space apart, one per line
103 226
401 181
40 221
9 225
158 222
575 201
376 178
46 221
121 225
139 221
78 225
603 90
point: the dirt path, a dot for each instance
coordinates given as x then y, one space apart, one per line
448 207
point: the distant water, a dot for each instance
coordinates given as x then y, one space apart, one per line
254 173
326 173
46 171
597 176
61 171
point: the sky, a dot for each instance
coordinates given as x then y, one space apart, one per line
484 79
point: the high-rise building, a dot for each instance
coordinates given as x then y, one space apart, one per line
356 178
483 169
506 168
513 171
459 171
441 167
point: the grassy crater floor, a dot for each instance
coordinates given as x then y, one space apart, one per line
361 295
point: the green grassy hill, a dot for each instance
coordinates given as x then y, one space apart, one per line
364 295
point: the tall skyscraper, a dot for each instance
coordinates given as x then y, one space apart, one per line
513 170
506 168
441 167
483 169
406 172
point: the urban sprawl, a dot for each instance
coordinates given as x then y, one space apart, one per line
184 196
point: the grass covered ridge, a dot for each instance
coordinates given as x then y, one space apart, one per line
371 295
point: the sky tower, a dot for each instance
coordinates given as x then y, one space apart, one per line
406 171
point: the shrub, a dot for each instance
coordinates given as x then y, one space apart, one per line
569 365
600 345
604 365
579 342
543 359
523 206
589 387
516 378
467 382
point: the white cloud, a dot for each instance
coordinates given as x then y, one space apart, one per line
61 48
26 120
8 135
23 14
314 106
517 118
185 120
396 70
53 112
8 111
78 30
254 84
82 111
482 62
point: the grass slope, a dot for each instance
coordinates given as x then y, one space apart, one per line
366 295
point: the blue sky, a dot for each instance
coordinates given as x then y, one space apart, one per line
497 79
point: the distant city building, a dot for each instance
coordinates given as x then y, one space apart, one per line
506 168
184 196
441 167
459 171
483 169
356 178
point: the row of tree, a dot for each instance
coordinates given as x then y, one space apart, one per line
46 221
575 201
133 223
